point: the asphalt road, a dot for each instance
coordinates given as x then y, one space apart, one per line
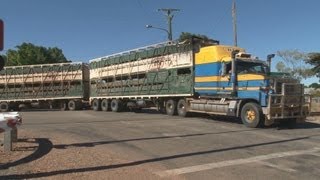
185 148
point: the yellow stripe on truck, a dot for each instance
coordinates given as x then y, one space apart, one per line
241 77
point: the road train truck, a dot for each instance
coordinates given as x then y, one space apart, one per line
61 85
182 78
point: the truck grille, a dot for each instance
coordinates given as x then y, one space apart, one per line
287 102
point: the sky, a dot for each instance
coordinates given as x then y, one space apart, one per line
86 29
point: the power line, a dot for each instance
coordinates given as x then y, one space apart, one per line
147 14
221 18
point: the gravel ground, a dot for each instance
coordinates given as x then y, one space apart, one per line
32 157
60 156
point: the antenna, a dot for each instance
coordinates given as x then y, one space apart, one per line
234 19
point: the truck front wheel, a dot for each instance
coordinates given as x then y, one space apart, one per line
251 115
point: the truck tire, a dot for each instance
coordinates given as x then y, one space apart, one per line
4 107
116 105
74 105
105 105
96 104
251 115
182 108
171 107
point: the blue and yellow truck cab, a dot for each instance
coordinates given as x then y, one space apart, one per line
229 81
213 74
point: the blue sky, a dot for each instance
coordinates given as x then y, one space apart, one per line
88 29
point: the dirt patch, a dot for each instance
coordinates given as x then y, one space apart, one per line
56 156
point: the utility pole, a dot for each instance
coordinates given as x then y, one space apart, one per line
234 18
168 13
1 35
2 61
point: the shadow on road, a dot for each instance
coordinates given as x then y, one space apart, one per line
92 144
45 146
304 125
307 125
140 162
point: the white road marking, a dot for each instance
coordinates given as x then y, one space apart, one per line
190 169
276 166
279 137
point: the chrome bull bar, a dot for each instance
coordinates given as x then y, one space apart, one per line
290 104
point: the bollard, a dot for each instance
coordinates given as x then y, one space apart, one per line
8 123
14 134
7 142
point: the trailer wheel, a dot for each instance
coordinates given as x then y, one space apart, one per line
171 107
116 105
96 104
251 115
182 108
105 105
4 107
74 105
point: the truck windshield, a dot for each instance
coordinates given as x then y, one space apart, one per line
251 67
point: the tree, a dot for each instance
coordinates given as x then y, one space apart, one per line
203 39
314 92
294 63
281 67
28 53
314 85
314 60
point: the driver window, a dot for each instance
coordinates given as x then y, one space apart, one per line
225 69
228 68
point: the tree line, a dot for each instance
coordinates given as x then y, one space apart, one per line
299 65
29 54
